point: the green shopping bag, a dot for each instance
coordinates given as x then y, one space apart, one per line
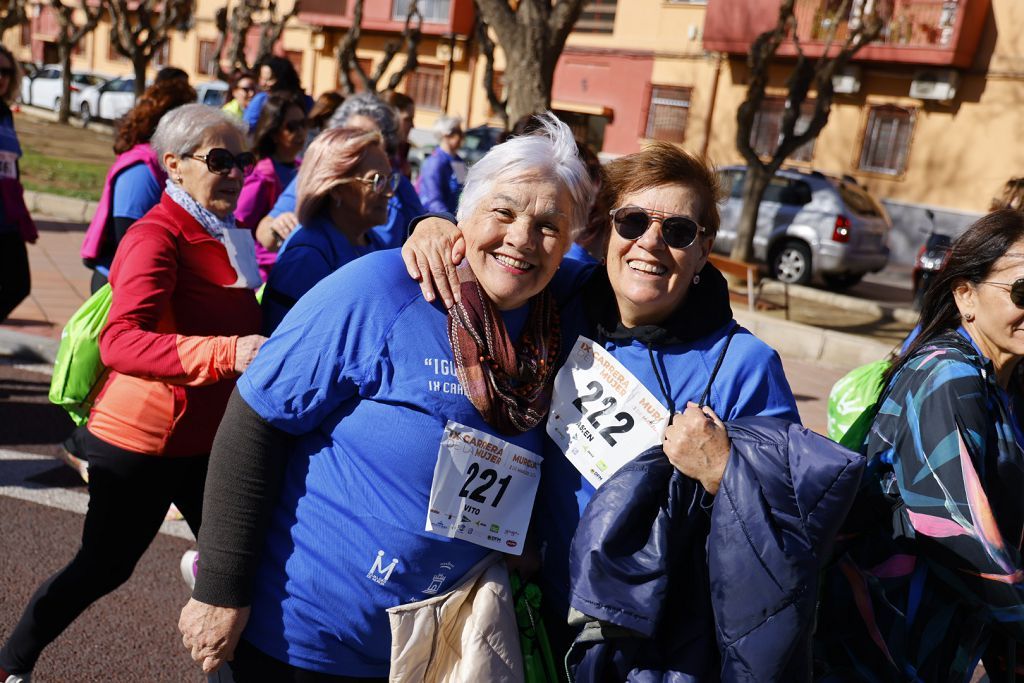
852 403
538 662
78 372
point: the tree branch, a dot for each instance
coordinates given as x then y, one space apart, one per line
347 61
411 36
498 106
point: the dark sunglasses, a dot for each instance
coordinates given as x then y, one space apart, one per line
220 161
295 125
7 71
246 88
379 184
1016 289
631 222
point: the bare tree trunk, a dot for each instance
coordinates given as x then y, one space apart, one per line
527 90
139 64
754 186
64 112
532 36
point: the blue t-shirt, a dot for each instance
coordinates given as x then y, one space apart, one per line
286 173
751 381
360 371
578 253
438 185
311 253
402 208
136 191
252 112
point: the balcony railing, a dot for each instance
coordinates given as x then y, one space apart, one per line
910 23
920 32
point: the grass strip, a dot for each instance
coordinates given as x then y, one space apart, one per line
66 177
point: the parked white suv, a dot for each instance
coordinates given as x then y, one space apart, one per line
45 89
810 223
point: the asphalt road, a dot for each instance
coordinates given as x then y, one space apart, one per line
131 634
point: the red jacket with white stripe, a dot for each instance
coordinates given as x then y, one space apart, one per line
170 338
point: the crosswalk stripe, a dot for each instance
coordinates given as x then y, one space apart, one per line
16 482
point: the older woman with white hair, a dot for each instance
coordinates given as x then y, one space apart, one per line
183 325
381 448
343 192
444 171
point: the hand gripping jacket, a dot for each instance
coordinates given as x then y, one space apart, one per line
658 576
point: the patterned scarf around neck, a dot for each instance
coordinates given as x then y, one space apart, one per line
510 387
238 242
210 222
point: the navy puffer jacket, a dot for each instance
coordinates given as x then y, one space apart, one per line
671 593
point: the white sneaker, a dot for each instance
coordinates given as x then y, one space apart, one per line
189 562
18 678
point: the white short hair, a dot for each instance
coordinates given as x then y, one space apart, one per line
446 124
182 130
550 150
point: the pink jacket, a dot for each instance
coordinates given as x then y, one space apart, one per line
101 223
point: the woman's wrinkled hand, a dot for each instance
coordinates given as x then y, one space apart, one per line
697 445
431 254
245 350
273 231
211 633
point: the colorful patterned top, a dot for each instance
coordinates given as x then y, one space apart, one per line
929 561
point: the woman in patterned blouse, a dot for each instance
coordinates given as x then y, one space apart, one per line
928 576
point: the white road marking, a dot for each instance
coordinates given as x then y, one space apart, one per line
18 468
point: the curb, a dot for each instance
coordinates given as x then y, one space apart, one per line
804 342
57 206
27 347
843 301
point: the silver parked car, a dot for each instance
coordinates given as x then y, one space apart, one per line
810 223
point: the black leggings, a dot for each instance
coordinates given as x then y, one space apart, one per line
129 494
252 665
15 279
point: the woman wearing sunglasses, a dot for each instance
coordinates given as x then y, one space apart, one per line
658 314
243 88
135 181
278 140
182 326
929 575
343 192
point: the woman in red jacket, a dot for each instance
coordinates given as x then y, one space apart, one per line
182 327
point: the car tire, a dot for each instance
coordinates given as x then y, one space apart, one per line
791 263
85 114
840 281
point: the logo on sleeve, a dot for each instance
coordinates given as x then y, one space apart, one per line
378 572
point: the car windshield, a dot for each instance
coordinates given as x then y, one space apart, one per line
859 201
474 140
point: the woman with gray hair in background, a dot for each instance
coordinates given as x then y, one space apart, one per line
367 112
182 326
444 171
374 424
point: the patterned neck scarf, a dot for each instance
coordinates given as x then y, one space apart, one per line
238 242
510 387
210 222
